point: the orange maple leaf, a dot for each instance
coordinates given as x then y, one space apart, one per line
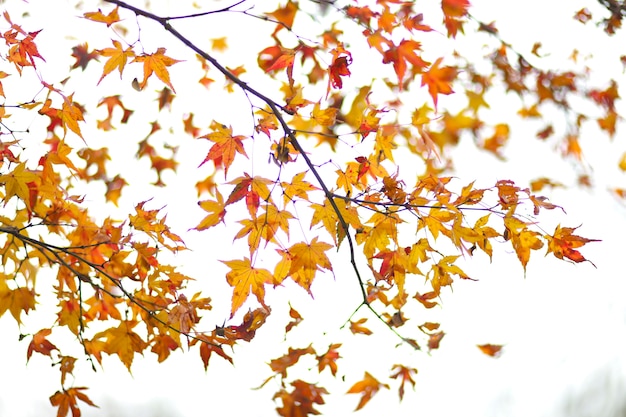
403 53
438 80
454 11
490 350
156 63
367 387
67 400
285 16
563 244
357 327
40 344
225 148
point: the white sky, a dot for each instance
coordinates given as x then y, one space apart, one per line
563 325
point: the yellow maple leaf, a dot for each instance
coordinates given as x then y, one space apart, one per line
16 183
306 260
216 210
123 342
117 58
109 19
245 278
156 63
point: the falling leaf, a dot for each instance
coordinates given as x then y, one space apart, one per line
367 387
156 63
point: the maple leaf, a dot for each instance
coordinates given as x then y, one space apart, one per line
163 345
563 244
16 183
438 80
357 327
403 53
454 11
280 365
207 347
275 58
122 341
23 52
490 350
40 344
109 19
67 400
434 340
297 188
117 58
83 56
367 387
246 279
252 321
306 260
156 63
284 16
183 316
300 401
406 375
296 318
225 147
523 239
329 359
339 68
66 367
216 210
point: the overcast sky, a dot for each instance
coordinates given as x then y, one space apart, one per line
563 326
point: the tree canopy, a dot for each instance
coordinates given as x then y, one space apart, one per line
313 140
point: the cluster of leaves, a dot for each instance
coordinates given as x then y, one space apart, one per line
392 221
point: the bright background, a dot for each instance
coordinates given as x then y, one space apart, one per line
563 325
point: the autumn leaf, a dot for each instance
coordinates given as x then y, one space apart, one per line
156 63
16 183
329 359
122 341
252 321
454 11
109 19
491 350
225 147
83 56
339 68
522 239
367 387
357 327
246 279
306 260
301 400
405 374
438 80
563 244
117 58
40 344
402 54
67 400
296 319
284 16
